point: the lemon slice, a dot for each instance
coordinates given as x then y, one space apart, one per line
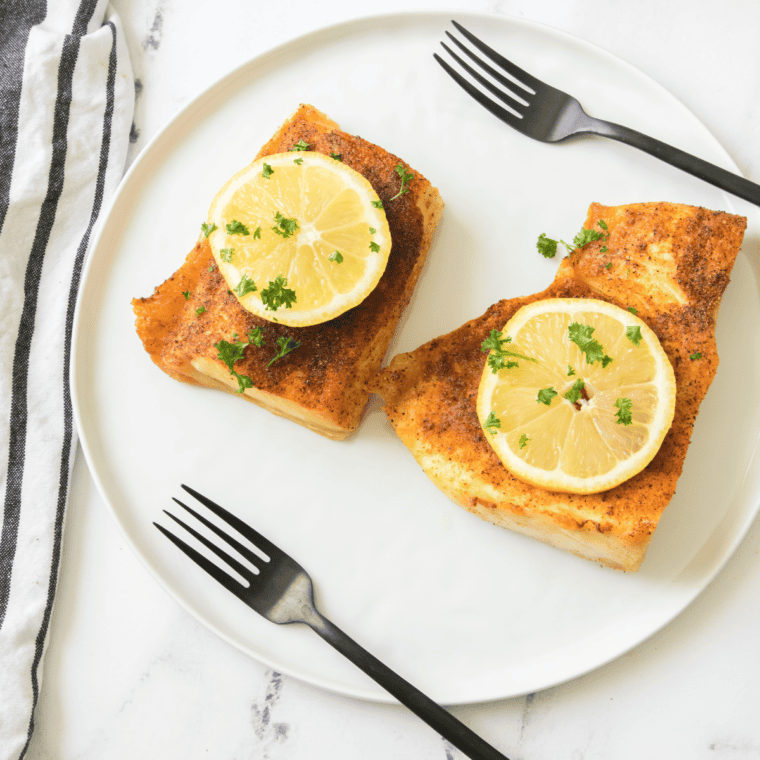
299 237
583 397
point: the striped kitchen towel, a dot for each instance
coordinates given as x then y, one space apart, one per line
66 103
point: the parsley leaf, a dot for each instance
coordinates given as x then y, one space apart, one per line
603 224
285 227
372 230
377 204
237 228
212 267
374 247
336 156
277 295
200 310
300 145
633 333
604 249
186 293
546 246
623 414
256 336
492 423
208 228
406 176
225 254
574 394
633 310
524 441
257 234
545 395
284 346
581 336
570 371
230 352
498 357
298 161
608 265
696 355
245 286
267 171
336 256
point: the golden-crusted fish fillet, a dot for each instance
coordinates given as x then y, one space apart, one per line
672 264
323 383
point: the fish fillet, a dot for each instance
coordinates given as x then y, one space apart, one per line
672 264
323 384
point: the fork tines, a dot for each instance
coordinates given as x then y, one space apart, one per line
516 87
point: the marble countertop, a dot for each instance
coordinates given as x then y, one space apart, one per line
128 673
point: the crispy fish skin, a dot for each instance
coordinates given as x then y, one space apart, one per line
672 264
323 384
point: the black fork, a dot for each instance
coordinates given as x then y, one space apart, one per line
547 114
282 592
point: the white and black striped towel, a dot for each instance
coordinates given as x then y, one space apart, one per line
66 103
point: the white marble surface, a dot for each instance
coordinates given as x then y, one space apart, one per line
128 673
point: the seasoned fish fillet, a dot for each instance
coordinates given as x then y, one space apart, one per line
670 262
323 383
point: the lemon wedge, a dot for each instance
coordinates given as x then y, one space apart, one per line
299 237
576 395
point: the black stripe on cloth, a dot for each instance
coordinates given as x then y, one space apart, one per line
68 416
17 17
19 382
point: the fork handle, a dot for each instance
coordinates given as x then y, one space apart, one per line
706 171
431 712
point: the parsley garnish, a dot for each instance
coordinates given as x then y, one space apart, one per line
237 228
570 371
212 267
256 336
267 171
524 441
581 336
545 396
372 230
336 256
633 310
257 234
374 247
377 204
602 224
200 310
298 161
336 156
574 394
300 145
546 246
582 238
623 414
633 334
604 249
208 228
608 265
229 353
492 423
696 355
245 286
498 356
406 176
225 254
284 346
186 293
277 295
285 227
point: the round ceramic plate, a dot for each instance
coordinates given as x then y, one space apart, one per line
462 609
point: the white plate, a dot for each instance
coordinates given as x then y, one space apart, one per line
464 610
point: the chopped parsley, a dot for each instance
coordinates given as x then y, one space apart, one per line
230 352
372 230
245 286
633 333
570 371
581 336
574 394
623 414
284 346
499 357
186 293
256 336
545 396
696 355
524 441
604 249
406 177
492 423
237 228
336 256
208 228
212 267
225 254
336 156
257 234
377 204
300 145
546 246
200 310
267 171
633 310
276 295
298 161
285 227
374 247
608 265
